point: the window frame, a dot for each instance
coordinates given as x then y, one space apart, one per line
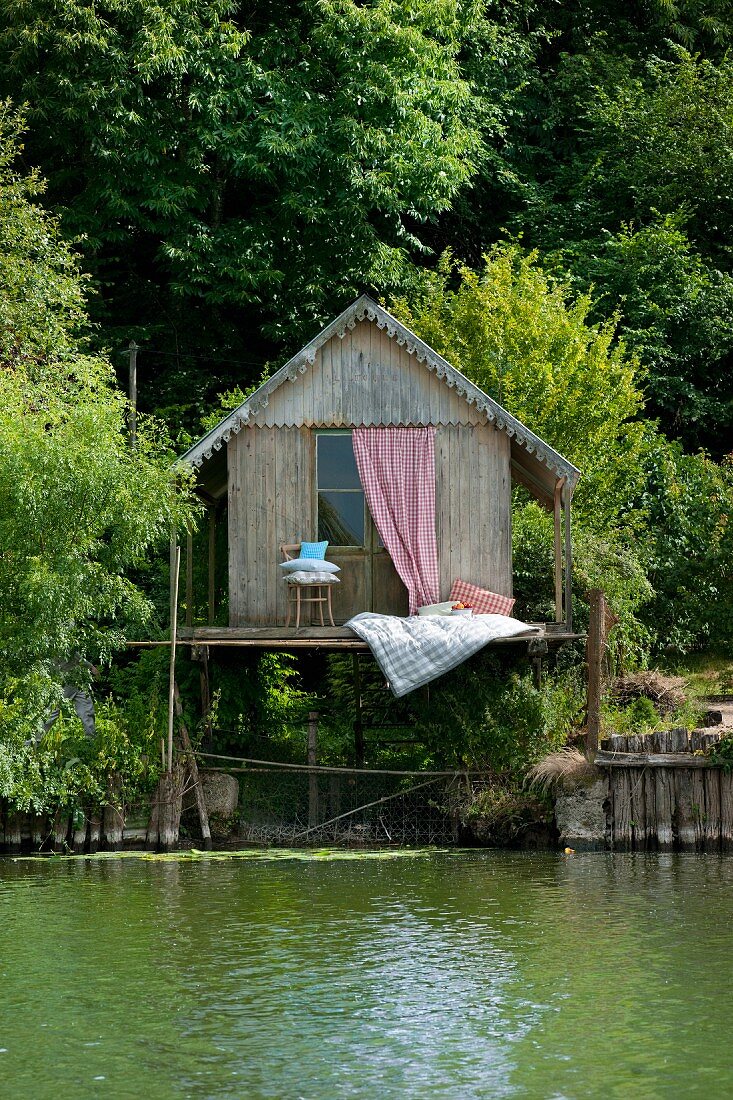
367 521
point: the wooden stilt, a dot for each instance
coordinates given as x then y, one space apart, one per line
205 696
169 808
312 761
358 723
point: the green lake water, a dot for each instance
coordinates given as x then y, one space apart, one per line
411 975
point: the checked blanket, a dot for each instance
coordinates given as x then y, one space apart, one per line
412 652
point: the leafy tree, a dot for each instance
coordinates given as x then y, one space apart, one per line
78 506
518 334
676 315
215 157
687 547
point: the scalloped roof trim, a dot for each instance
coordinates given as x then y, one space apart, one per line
365 308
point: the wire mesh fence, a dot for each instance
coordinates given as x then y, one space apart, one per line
349 808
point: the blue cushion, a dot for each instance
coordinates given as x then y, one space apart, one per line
313 550
309 565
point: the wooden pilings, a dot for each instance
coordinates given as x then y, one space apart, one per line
664 795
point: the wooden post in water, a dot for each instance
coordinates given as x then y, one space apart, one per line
594 650
312 761
112 819
169 809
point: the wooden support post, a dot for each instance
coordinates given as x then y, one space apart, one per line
205 697
212 565
568 563
557 513
189 578
594 651
312 761
358 723
170 793
194 772
175 570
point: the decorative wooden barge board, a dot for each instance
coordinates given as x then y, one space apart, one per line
663 797
366 369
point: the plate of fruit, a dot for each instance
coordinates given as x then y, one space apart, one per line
461 609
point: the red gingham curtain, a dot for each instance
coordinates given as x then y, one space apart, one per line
397 470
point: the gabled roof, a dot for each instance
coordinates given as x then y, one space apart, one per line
524 441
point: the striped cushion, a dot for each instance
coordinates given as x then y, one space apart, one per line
481 600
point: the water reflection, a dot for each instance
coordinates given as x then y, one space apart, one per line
453 975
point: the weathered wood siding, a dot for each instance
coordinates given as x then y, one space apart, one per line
473 507
366 379
272 500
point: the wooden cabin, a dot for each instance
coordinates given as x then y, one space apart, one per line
284 464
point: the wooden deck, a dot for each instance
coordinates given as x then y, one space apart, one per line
328 637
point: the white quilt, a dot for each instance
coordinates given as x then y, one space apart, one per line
412 652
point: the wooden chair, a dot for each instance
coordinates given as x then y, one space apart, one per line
289 550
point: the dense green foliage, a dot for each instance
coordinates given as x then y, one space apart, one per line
215 156
543 190
79 509
651 522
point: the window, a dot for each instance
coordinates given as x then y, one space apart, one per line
340 495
